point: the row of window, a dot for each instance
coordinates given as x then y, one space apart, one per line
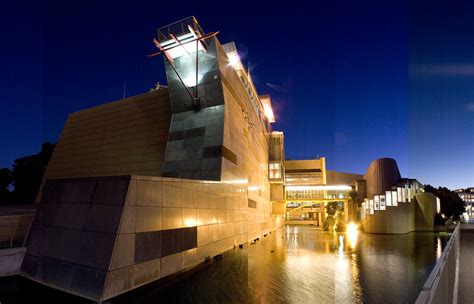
391 198
313 194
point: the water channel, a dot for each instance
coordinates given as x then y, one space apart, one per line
295 264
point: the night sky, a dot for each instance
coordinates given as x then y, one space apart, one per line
350 80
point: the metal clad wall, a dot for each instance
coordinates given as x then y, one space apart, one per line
123 137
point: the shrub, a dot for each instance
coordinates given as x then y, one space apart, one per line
329 222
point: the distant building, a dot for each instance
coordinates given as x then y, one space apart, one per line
467 195
309 187
389 203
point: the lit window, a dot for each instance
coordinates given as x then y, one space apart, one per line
275 171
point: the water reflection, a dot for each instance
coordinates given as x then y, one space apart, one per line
291 265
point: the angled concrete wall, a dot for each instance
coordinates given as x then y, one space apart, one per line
426 209
103 236
122 137
10 261
72 238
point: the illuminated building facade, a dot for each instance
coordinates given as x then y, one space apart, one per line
310 187
382 200
467 196
393 204
147 186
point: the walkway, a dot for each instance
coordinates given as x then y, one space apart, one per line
466 264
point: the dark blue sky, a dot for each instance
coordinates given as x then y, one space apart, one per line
350 80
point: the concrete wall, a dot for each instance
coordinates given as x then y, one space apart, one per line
100 237
277 192
10 261
318 164
394 220
251 147
417 215
123 137
425 211
341 178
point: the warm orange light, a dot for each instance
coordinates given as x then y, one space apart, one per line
267 108
269 113
352 233
352 227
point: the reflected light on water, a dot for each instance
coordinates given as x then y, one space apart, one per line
352 234
341 245
439 248
297 264
344 274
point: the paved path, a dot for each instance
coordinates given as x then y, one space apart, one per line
466 265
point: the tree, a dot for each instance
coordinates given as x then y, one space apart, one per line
25 176
354 205
451 204
335 217
5 182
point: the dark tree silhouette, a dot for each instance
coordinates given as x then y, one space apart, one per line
451 203
354 205
25 176
5 181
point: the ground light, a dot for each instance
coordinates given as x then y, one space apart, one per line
352 232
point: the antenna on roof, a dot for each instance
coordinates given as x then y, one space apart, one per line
124 88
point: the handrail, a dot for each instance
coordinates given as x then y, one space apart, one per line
14 235
430 288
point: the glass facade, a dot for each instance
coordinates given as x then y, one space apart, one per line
275 171
388 198
382 202
394 198
377 202
315 193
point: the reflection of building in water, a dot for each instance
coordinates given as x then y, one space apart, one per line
467 196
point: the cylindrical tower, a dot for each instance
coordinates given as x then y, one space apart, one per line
381 175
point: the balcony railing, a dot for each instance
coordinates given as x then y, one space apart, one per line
14 235
440 287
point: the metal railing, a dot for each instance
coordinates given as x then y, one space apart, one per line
441 285
14 235
179 27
